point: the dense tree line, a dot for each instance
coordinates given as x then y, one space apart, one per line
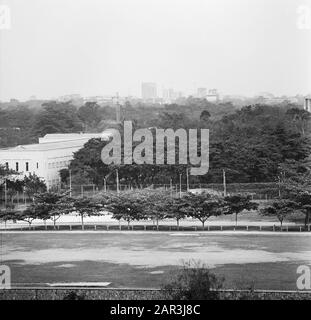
23 125
129 206
254 144
154 205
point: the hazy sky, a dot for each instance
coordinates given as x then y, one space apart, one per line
95 47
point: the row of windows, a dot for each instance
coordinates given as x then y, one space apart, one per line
53 182
24 167
59 164
18 166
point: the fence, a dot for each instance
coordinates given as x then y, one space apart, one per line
145 227
258 191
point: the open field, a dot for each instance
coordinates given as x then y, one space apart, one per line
145 260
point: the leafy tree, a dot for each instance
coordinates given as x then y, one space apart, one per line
13 186
5 172
64 175
174 208
85 207
205 116
279 209
33 184
87 162
7 215
57 117
154 203
202 206
90 114
127 206
173 120
30 214
51 205
303 203
15 126
300 117
237 203
7 176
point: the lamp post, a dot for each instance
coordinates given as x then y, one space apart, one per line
224 182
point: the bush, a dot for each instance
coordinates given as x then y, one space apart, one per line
72 295
193 282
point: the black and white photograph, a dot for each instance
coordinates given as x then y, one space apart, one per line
155 150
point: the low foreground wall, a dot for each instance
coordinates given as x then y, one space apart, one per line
139 294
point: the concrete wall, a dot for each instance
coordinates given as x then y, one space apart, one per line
141 294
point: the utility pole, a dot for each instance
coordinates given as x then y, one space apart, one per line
180 185
70 183
187 173
224 182
171 188
118 190
118 108
5 192
105 185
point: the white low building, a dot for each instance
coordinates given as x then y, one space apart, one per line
57 137
46 158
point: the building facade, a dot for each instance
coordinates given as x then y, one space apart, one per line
46 158
307 104
149 91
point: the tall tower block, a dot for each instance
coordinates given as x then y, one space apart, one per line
307 104
117 107
118 112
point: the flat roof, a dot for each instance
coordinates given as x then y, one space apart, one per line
63 141
48 146
70 135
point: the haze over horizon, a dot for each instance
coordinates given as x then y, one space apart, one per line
94 47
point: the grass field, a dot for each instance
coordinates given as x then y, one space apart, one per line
137 259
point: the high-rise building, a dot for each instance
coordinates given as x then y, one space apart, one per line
149 91
212 95
307 104
202 92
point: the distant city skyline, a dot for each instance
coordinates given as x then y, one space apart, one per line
93 47
168 96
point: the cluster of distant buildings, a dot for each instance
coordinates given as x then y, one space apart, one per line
270 99
150 93
77 99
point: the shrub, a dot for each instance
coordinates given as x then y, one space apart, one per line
72 295
193 282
